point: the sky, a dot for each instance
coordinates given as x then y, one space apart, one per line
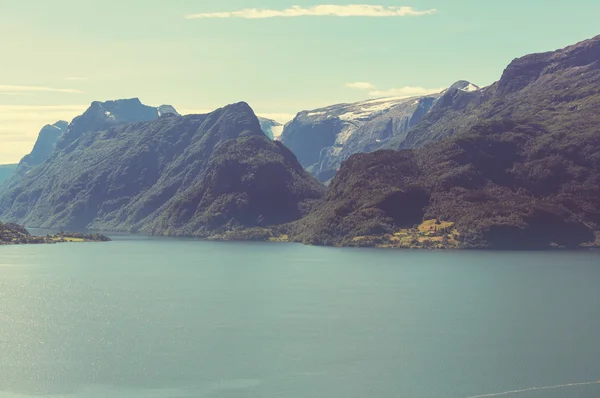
282 57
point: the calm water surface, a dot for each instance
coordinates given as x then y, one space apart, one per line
159 318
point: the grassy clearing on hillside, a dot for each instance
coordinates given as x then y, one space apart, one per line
430 234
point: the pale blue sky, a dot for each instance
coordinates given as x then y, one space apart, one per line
279 65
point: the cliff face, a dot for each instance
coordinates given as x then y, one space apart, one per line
323 138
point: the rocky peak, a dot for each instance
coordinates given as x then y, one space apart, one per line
104 115
49 135
167 110
523 71
458 94
464 85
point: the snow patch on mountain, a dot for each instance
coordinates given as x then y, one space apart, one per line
470 88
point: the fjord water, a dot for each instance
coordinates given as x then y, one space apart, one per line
164 318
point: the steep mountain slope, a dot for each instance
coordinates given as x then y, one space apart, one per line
6 172
248 182
134 176
45 144
323 138
519 167
554 88
457 102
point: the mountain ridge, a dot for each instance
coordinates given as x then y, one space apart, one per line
513 165
126 177
322 138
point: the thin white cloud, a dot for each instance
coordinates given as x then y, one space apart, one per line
10 93
361 85
408 91
402 92
325 10
37 89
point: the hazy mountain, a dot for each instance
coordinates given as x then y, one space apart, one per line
104 115
271 128
99 116
323 138
516 164
44 146
184 175
6 172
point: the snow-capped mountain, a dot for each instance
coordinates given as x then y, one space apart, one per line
270 127
322 138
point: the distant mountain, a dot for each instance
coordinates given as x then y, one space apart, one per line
195 175
323 138
44 146
101 116
167 110
271 128
6 172
514 165
459 99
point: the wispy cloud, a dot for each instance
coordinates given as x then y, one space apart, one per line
76 79
361 85
407 91
37 89
11 93
325 10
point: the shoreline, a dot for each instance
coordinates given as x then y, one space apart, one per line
15 234
424 237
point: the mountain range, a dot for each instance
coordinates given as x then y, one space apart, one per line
178 175
323 138
512 165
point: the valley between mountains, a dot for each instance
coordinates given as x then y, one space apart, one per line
514 165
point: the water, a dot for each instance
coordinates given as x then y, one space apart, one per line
160 318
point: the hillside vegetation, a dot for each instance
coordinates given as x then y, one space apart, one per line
517 166
180 175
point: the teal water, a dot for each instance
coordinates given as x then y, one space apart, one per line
162 318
